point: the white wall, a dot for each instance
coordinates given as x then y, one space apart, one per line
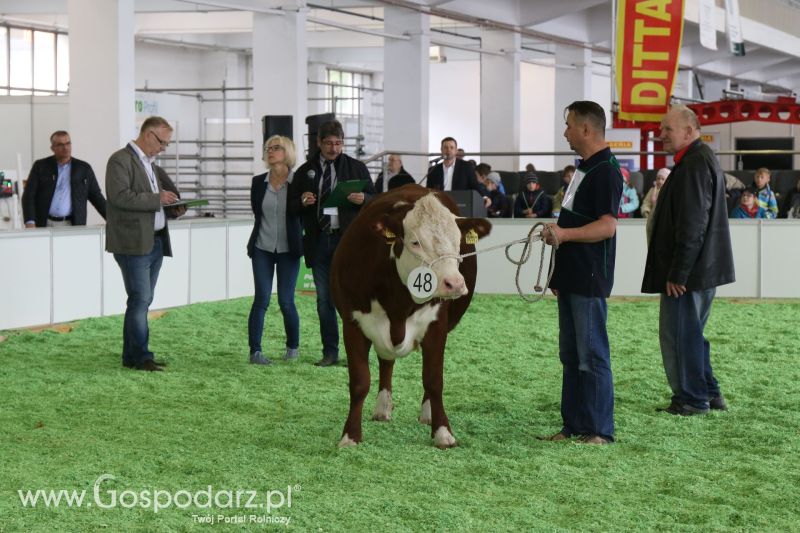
455 105
28 122
536 103
62 274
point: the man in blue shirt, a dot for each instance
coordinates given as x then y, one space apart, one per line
58 188
583 277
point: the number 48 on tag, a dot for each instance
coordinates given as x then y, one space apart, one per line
422 283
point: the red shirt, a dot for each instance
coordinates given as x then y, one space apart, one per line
678 156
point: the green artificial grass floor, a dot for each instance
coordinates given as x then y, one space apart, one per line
70 414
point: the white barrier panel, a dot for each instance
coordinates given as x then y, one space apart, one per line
59 274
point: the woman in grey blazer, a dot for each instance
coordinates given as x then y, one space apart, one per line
276 243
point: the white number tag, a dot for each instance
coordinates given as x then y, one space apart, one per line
422 283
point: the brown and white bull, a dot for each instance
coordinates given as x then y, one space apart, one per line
397 232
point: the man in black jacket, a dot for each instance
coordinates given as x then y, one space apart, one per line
58 188
689 255
323 227
454 174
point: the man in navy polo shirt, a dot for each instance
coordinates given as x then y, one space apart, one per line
583 277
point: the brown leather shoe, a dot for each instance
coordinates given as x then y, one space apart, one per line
148 366
160 363
554 438
327 361
593 439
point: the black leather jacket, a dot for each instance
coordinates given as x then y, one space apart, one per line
691 243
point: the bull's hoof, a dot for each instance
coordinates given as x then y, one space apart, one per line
347 442
425 413
443 439
383 407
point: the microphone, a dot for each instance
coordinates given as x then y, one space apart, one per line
431 166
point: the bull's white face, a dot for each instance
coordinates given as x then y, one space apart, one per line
430 232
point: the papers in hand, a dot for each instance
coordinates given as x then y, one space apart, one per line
188 203
338 196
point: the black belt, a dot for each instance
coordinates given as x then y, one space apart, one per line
59 219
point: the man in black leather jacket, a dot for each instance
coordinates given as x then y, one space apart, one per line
689 255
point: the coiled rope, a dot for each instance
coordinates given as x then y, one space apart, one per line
525 255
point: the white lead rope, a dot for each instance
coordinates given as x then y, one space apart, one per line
524 257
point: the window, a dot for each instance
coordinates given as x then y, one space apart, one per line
33 61
3 60
346 92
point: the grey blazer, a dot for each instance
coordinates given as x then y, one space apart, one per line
131 206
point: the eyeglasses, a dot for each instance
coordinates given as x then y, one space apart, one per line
331 144
63 145
274 148
163 144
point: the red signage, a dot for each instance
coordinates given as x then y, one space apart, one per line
649 36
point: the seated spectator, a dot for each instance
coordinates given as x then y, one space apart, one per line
649 201
501 205
482 173
790 203
566 178
630 199
765 198
396 173
533 202
748 206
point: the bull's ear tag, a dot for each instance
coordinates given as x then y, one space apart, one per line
422 283
471 237
390 237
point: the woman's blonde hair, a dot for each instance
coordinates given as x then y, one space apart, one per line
288 149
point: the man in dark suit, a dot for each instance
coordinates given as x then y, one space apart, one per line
323 227
58 188
137 234
396 175
454 174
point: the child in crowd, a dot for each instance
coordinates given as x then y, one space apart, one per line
532 202
765 198
566 178
629 202
649 201
748 206
501 205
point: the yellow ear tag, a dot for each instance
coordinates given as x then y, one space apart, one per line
389 236
471 237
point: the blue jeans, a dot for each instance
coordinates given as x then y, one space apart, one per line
587 390
140 274
264 264
684 349
326 310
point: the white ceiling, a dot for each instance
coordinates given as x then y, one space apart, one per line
772 62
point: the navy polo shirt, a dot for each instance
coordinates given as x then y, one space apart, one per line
588 268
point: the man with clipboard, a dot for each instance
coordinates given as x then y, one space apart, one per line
331 189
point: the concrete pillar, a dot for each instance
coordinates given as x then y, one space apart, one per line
317 72
101 81
280 73
406 96
572 83
500 101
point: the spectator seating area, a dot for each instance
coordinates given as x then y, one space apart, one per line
782 181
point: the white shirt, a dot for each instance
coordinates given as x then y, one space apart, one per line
569 196
447 176
147 162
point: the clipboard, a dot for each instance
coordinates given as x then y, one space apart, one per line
188 203
338 196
